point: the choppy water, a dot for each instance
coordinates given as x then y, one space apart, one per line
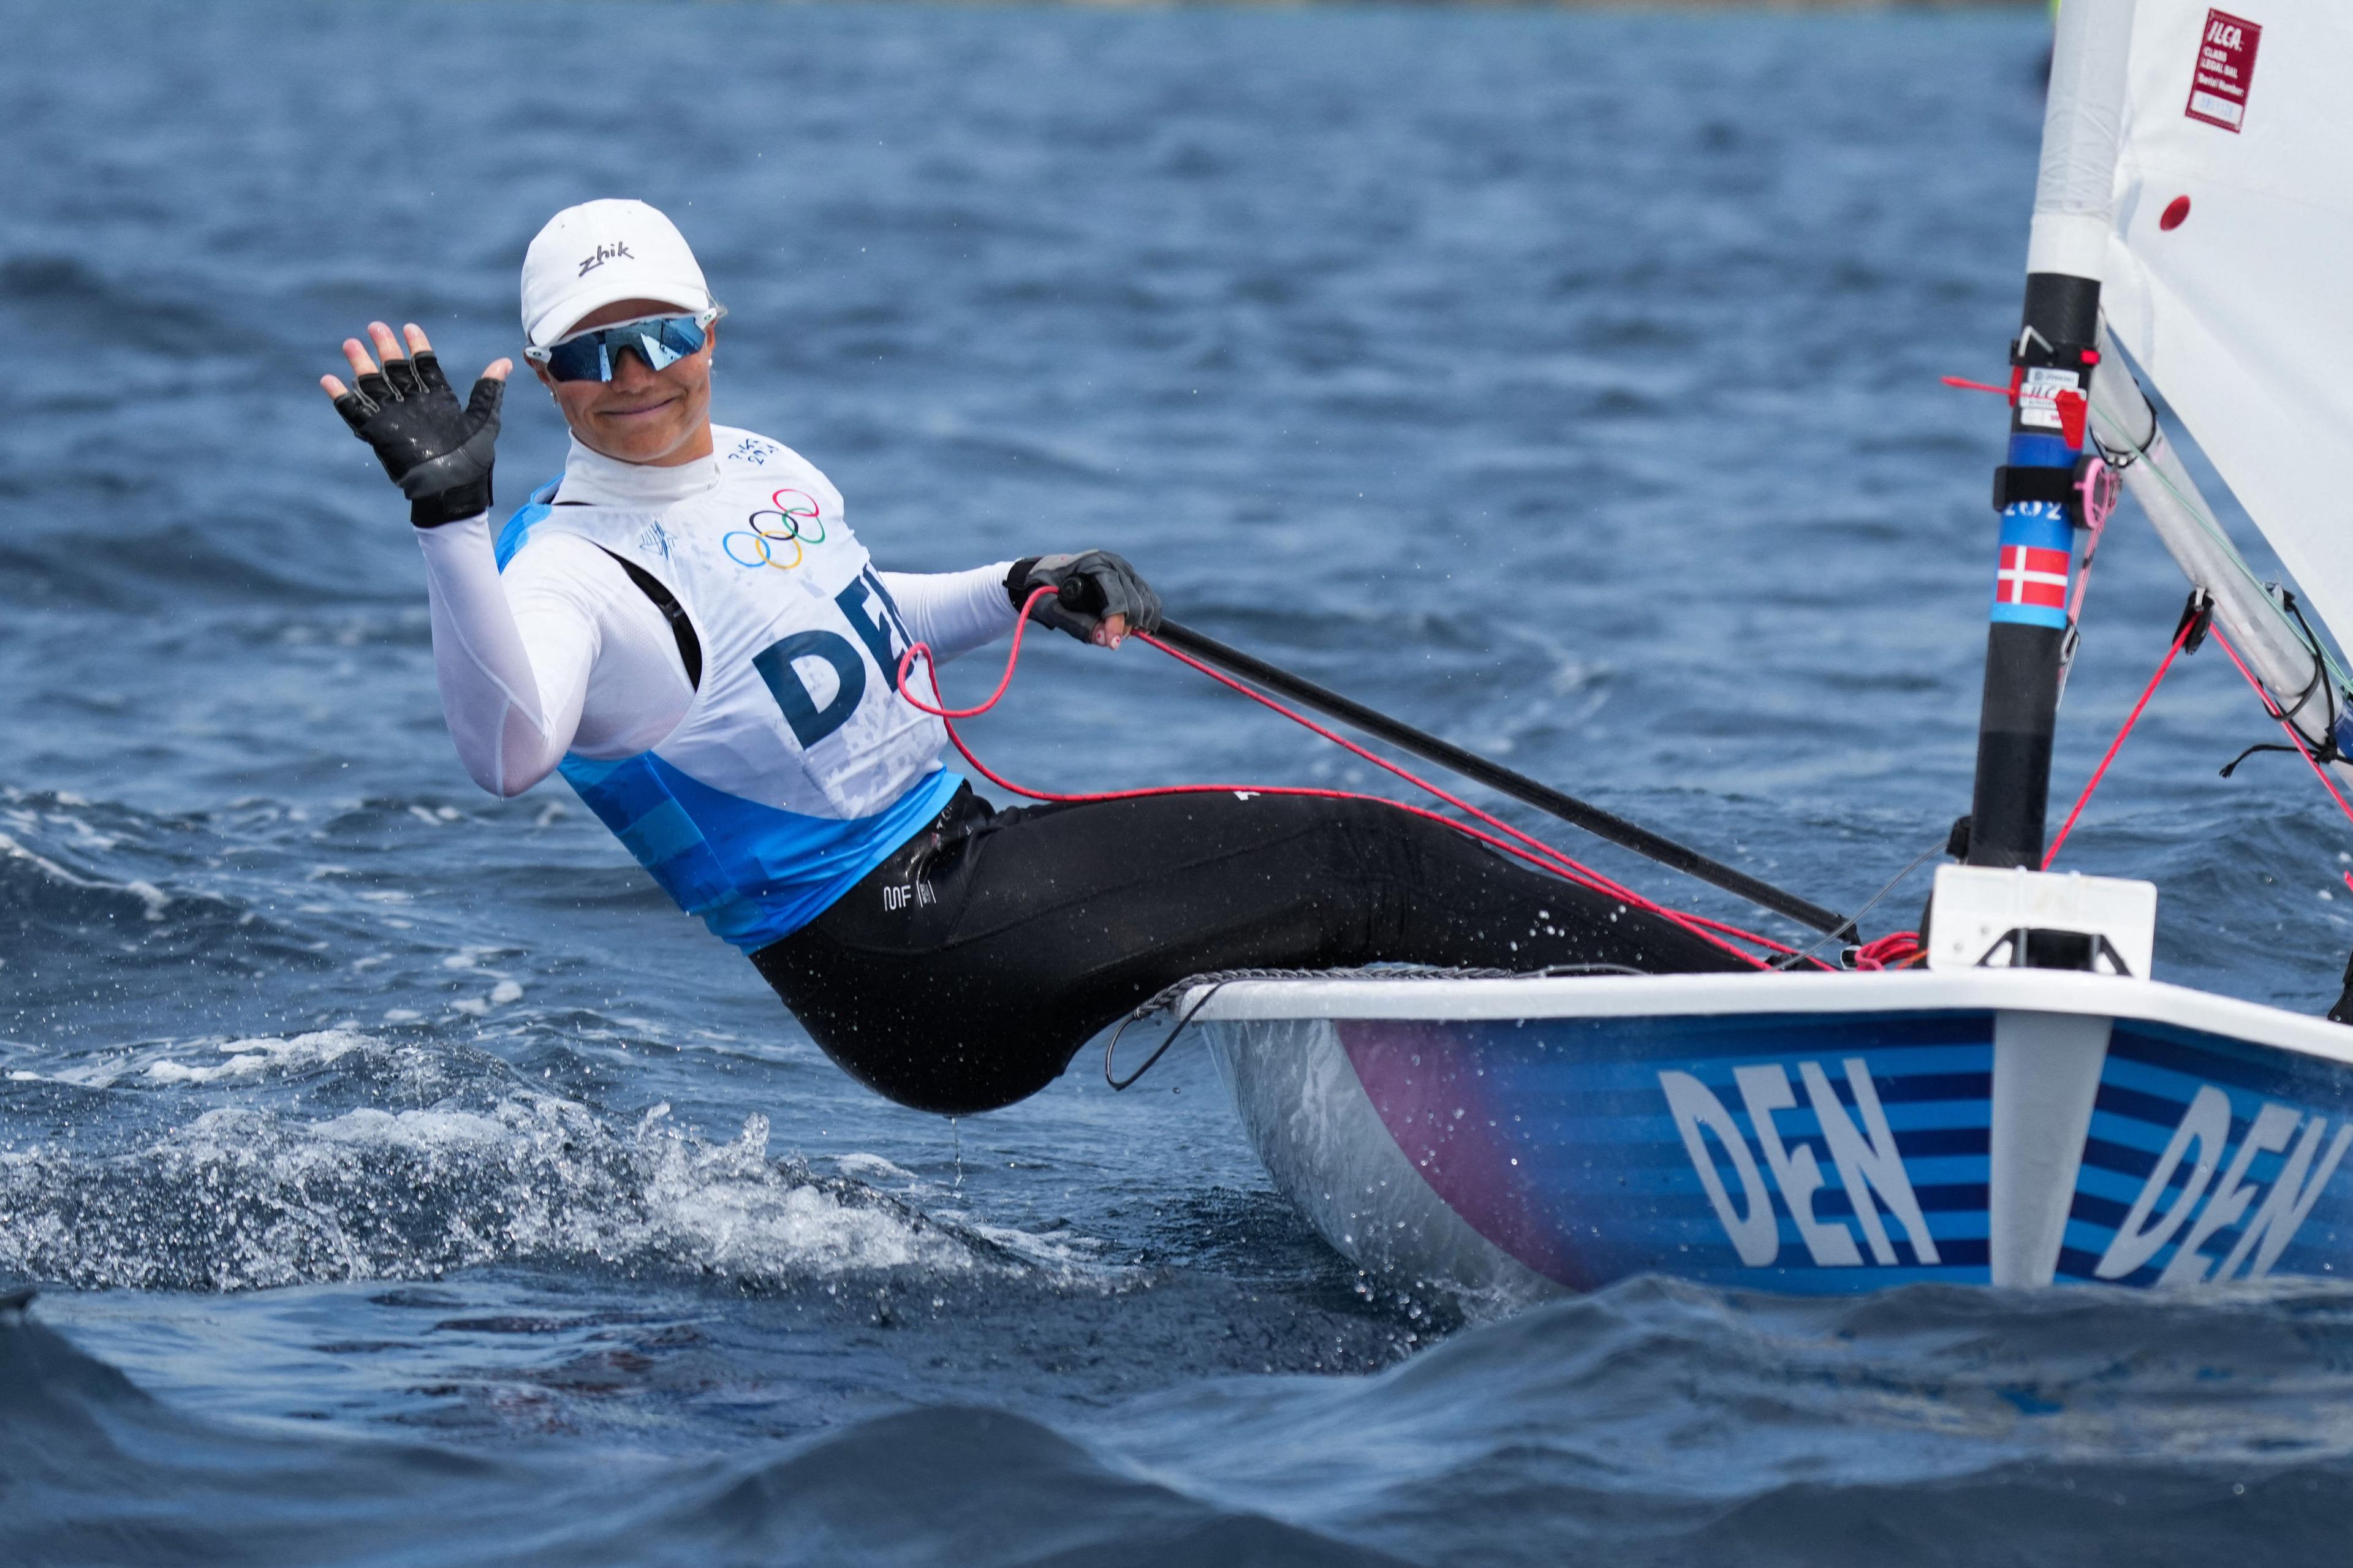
409 1184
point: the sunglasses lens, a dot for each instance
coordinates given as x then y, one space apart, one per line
591 357
582 359
680 336
657 355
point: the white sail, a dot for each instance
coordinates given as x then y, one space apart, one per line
2229 269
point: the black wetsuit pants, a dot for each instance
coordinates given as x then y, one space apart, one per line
966 971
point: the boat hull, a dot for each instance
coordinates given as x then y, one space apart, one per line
1816 1134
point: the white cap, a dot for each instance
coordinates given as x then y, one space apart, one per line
600 252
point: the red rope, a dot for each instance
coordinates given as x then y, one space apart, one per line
2293 734
2179 637
1507 837
1897 950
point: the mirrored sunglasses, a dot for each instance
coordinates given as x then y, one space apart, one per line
660 341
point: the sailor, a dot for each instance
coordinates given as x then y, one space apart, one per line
684 627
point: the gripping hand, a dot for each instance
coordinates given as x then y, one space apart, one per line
439 453
1091 587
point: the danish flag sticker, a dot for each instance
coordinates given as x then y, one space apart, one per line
2032 585
2225 71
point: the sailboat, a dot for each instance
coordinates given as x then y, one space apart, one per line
2025 1103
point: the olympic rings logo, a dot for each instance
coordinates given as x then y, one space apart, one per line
787 519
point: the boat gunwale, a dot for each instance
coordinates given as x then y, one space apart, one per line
1436 998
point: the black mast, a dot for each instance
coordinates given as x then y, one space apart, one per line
2052 362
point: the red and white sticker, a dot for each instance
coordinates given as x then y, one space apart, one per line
2039 391
2030 576
2225 71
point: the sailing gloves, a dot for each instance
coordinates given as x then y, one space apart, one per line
1089 587
437 453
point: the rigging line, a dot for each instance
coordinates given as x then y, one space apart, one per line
1698 924
2320 681
1493 775
1121 1085
1530 848
1558 866
1609 885
2181 636
2137 448
1896 950
2269 707
1892 882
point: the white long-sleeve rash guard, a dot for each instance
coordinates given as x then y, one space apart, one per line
562 653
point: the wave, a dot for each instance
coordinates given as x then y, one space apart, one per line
482 1171
1659 1422
995 1487
89 887
79 1440
948 1484
1653 1424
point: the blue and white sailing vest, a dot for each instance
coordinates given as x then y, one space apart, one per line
798 768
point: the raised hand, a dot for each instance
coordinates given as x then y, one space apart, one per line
439 454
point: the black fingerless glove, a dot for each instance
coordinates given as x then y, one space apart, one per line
437 453
1088 586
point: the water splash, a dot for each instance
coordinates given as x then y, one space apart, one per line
246 1196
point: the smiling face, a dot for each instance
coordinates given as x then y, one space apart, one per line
660 417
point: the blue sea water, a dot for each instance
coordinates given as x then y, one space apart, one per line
408 1183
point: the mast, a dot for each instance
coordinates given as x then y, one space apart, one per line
2053 361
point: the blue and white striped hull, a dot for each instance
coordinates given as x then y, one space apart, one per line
1813 1133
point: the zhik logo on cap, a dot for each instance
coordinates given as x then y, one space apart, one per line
617 250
